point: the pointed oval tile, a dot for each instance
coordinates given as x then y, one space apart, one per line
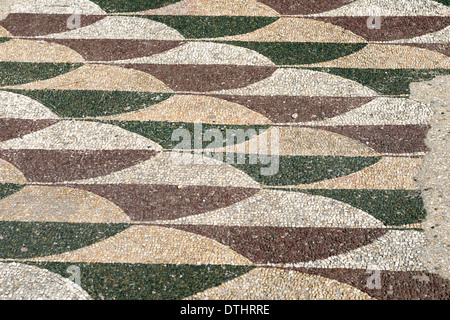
438 37
82 135
394 27
294 7
205 77
4 32
183 7
204 27
297 109
26 240
10 174
378 56
100 77
19 50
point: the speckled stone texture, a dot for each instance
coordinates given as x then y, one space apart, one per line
224 149
435 173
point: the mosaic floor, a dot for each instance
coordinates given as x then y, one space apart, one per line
99 98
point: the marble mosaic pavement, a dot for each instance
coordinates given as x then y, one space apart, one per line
91 205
